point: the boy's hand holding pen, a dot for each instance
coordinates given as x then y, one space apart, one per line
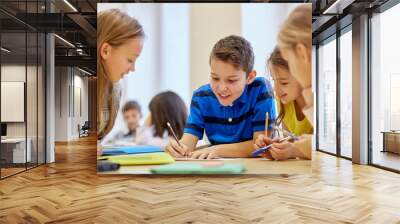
176 148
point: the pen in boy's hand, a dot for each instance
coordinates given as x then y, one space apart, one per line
266 124
173 133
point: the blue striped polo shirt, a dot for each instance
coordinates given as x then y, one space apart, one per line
235 123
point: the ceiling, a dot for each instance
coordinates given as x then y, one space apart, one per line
329 16
23 23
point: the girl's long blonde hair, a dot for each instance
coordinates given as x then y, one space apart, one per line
115 28
297 28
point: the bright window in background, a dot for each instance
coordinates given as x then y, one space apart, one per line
394 101
385 88
346 94
327 96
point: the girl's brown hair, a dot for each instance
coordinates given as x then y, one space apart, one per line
115 28
168 107
297 28
276 60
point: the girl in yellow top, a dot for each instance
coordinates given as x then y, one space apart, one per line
294 42
293 119
290 103
289 96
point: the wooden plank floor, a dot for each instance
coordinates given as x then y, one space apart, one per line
69 191
388 159
10 171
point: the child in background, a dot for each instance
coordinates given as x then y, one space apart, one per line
132 114
164 107
290 103
231 109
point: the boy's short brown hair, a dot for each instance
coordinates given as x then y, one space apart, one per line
131 105
236 51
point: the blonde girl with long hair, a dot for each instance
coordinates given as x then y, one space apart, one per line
290 100
119 44
294 43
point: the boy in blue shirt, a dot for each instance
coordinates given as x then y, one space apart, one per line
231 109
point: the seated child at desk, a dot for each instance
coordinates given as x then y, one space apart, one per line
164 107
290 103
132 114
295 44
230 109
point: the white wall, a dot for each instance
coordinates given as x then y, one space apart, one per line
14 73
61 103
260 24
175 49
81 102
33 127
207 26
179 39
67 83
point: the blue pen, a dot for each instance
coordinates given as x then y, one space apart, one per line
260 150
266 148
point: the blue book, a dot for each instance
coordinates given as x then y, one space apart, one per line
131 150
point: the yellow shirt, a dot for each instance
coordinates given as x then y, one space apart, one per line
292 123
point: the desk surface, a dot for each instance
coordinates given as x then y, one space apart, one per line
253 166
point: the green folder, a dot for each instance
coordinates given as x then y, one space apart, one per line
196 168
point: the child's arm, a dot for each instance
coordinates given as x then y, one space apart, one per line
187 145
240 149
189 140
304 146
308 110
